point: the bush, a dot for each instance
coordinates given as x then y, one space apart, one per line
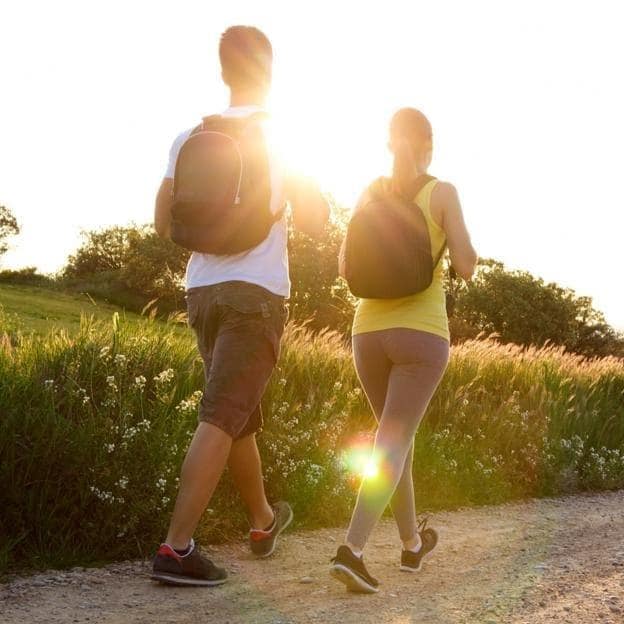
27 276
319 297
129 266
95 426
525 310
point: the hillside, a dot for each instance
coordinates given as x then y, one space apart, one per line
40 309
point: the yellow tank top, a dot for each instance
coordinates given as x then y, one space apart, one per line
426 310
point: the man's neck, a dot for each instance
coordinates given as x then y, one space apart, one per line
247 98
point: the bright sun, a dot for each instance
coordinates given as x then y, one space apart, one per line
327 153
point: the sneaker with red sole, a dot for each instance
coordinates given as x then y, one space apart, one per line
191 569
262 543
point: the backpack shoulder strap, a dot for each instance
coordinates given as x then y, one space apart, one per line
380 188
422 181
209 123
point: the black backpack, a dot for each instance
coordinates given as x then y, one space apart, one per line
222 187
388 249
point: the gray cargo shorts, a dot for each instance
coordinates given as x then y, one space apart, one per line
239 327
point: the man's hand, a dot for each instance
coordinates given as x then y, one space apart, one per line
309 208
162 212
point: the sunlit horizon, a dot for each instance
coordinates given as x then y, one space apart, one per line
524 101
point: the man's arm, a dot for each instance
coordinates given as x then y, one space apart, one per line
310 209
162 211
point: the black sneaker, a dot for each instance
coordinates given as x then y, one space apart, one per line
192 569
262 543
411 561
350 570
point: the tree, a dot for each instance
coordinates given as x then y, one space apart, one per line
129 265
101 251
318 295
523 309
8 227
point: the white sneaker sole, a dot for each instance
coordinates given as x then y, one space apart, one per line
172 579
283 528
353 582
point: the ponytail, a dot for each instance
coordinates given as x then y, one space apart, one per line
403 169
411 134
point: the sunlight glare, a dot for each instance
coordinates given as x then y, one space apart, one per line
357 458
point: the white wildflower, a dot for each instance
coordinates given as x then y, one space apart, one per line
129 433
165 376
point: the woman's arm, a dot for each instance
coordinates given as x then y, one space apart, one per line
445 205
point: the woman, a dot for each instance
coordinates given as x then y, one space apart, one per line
401 349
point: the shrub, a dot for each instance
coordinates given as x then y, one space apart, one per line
129 266
523 309
27 275
94 427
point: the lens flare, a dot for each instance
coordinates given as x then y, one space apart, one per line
356 458
371 470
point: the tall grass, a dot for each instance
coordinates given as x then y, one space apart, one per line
94 427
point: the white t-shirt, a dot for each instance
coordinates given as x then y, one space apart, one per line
265 265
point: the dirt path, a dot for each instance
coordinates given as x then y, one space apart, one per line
552 560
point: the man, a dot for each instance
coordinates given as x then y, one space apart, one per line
236 306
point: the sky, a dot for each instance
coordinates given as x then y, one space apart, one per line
525 99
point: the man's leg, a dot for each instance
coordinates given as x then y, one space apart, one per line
201 471
246 470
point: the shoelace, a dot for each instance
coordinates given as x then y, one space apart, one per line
422 525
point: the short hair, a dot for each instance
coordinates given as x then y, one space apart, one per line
246 56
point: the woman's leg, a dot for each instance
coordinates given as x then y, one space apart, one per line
403 504
419 360
373 369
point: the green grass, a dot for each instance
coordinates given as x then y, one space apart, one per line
41 309
96 418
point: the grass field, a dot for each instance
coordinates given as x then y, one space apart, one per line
40 309
97 414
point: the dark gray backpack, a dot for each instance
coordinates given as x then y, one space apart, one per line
388 251
222 187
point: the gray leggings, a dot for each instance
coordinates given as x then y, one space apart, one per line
399 370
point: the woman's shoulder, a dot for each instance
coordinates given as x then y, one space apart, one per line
444 198
443 192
